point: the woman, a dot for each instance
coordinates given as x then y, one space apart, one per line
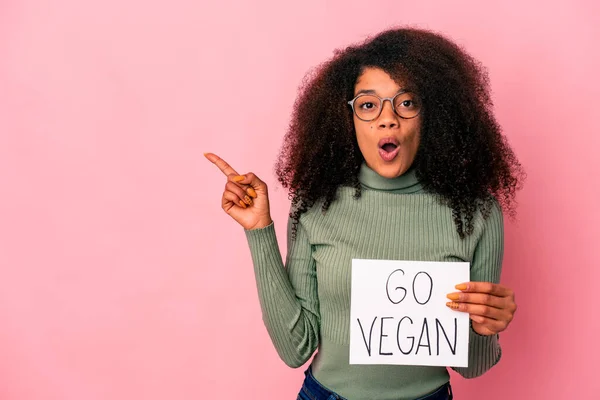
391 141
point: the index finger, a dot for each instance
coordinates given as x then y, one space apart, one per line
221 164
485 287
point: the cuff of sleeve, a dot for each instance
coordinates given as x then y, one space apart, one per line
487 342
484 353
487 348
261 237
266 257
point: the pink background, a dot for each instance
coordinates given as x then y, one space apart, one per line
120 276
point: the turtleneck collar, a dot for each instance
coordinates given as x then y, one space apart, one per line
405 183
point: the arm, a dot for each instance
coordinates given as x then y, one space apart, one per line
288 295
485 351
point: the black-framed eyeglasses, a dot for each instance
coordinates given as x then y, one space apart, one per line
367 107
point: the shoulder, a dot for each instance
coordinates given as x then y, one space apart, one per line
494 216
489 219
316 214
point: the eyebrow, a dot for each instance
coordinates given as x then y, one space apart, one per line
371 91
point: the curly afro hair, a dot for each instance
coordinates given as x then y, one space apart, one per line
463 158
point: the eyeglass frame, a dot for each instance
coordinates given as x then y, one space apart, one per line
382 100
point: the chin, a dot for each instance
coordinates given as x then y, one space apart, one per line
390 171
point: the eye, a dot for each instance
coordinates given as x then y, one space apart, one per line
407 101
406 104
366 105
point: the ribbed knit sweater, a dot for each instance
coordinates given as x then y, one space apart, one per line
306 302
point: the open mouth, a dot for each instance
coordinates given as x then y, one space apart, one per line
388 148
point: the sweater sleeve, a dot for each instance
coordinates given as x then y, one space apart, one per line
288 294
485 351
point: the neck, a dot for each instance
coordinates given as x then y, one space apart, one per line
405 183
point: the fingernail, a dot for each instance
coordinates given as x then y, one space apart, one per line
452 305
251 192
453 296
238 178
462 286
243 204
247 200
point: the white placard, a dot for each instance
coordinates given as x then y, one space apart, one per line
399 313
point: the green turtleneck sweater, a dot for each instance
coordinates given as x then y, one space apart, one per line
306 302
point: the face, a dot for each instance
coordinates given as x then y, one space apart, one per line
388 143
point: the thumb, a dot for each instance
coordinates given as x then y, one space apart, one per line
256 185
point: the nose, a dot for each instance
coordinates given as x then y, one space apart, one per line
387 118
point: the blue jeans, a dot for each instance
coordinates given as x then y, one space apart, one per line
313 390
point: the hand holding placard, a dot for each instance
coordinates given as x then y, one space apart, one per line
491 306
